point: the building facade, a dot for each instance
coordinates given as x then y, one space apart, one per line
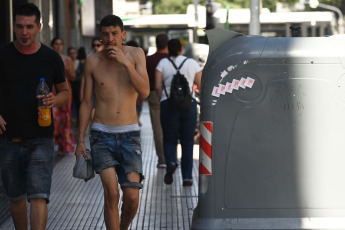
75 21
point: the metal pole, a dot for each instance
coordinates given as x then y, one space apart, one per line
10 21
196 18
254 25
340 19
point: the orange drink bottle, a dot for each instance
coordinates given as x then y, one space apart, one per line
44 113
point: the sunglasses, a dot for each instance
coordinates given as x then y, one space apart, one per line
94 45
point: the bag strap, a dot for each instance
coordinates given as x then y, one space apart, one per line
165 90
175 64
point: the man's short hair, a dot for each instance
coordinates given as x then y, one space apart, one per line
161 41
111 20
27 9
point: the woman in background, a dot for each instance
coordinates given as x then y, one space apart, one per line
63 133
139 103
78 59
177 124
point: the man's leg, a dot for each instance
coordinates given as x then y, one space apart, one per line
188 123
154 106
19 213
111 198
38 213
130 202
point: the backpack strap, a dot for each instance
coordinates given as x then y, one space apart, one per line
182 63
165 90
175 64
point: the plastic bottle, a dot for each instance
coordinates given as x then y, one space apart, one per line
44 113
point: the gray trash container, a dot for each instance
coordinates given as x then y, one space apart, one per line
272 147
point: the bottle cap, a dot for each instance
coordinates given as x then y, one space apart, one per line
42 79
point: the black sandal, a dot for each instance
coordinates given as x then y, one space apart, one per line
187 182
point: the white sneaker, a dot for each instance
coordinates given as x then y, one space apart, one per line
161 165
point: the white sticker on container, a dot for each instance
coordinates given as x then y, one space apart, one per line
221 89
215 92
250 82
223 74
235 84
231 68
242 83
228 88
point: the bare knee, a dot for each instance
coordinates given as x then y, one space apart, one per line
130 198
18 206
111 191
111 197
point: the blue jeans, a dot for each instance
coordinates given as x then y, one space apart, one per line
27 167
179 124
122 150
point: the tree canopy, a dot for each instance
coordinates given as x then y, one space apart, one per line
180 6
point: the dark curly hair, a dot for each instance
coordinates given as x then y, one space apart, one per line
111 20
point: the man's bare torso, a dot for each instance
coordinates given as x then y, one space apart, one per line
116 97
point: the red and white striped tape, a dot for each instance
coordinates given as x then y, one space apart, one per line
205 166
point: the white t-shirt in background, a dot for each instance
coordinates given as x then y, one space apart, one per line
189 69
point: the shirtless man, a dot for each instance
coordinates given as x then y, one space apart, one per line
118 75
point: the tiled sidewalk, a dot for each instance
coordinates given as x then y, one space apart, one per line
76 205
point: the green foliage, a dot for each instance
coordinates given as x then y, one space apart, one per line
180 6
171 7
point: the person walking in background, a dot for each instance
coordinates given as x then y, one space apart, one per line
139 103
27 149
96 45
116 75
78 59
82 58
154 105
63 133
177 124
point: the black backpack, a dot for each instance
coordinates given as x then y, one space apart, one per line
180 96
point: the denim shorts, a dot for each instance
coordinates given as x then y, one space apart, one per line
122 150
27 167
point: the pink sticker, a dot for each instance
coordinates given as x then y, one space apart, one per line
215 92
221 89
235 84
242 83
250 82
228 87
